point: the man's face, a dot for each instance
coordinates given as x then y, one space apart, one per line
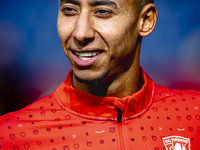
98 37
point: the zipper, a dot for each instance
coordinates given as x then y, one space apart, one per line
121 136
119 118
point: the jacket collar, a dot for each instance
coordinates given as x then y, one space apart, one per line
94 106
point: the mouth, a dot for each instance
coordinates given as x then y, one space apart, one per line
86 55
87 58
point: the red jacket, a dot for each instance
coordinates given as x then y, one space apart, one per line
154 118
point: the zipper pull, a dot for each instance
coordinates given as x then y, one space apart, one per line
119 118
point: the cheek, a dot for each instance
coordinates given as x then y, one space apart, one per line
116 33
110 31
65 28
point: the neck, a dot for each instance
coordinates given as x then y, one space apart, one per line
125 85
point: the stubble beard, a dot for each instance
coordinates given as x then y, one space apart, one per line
88 80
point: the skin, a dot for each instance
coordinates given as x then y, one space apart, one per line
113 29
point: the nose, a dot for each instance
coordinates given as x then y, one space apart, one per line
84 32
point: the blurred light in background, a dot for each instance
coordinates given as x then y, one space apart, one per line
32 63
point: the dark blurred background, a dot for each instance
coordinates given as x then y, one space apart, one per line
32 63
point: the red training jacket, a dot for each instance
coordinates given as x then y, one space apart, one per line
154 118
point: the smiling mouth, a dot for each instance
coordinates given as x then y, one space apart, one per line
86 55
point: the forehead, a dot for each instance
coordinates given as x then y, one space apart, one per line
114 3
90 1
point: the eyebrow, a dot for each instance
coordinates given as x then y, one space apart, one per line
92 3
76 2
103 2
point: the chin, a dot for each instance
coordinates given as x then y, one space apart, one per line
89 79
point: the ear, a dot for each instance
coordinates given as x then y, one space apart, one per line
147 19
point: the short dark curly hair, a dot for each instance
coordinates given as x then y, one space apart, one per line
139 4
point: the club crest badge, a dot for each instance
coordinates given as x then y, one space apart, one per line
176 143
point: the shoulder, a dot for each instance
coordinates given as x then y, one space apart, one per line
24 123
177 100
32 110
26 114
162 92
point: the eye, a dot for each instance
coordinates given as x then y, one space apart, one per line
101 13
69 11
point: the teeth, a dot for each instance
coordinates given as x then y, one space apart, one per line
84 58
86 55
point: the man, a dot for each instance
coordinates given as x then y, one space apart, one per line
107 101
